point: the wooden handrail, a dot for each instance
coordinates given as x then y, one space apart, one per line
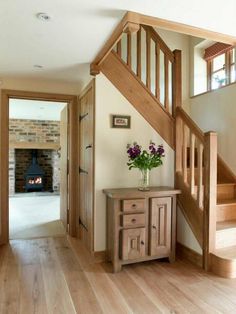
190 123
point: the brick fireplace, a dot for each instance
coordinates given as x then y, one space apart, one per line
33 131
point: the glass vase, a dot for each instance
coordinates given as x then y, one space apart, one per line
144 181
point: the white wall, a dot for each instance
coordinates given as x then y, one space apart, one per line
110 151
45 86
216 111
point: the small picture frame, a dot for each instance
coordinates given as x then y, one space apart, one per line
122 122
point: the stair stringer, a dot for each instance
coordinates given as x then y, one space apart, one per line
139 96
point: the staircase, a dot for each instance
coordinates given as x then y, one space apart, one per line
148 74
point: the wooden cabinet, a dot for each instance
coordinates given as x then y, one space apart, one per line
141 225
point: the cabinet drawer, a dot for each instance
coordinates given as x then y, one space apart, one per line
133 220
133 243
129 205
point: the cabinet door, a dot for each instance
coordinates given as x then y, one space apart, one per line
133 243
160 226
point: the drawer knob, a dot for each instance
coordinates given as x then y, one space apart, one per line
142 242
154 227
134 206
133 220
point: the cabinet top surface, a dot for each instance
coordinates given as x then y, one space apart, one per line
154 191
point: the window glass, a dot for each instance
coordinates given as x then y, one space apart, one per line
218 62
218 79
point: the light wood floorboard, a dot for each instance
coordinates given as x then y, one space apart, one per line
58 275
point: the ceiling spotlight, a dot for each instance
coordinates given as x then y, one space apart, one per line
43 16
38 66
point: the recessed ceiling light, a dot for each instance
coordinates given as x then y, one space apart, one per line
43 16
38 66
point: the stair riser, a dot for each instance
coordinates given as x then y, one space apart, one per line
226 212
225 192
225 238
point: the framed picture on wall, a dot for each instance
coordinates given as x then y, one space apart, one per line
123 122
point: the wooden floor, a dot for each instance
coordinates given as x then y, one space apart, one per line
52 275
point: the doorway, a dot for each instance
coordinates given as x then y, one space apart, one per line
69 211
38 153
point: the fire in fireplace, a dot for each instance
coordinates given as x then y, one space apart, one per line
34 175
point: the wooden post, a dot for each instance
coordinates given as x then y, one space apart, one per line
210 196
176 80
178 145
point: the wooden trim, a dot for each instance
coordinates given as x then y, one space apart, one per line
185 253
180 28
129 50
210 196
4 153
139 54
148 59
177 80
99 256
34 145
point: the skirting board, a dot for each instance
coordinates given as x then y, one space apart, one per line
185 253
99 256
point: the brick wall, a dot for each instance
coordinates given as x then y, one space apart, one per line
20 159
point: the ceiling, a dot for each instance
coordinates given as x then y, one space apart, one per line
35 109
66 44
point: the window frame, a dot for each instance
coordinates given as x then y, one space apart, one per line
229 62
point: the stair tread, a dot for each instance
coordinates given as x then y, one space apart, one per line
228 252
228 224
227 183
226 202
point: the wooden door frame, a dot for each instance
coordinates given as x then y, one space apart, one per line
71 100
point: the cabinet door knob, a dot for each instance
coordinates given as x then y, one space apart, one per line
154 227
133 220
142 242
134 205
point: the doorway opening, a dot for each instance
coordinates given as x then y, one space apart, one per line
38 177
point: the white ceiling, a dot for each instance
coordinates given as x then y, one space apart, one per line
34 109
67 43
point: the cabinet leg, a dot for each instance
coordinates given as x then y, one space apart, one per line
172 258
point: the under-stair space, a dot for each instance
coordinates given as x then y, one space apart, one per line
143 68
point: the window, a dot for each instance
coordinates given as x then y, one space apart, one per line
221 65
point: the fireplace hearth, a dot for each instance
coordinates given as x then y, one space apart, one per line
34 175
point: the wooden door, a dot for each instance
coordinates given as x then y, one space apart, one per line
133 243
86 166
160 226
64 167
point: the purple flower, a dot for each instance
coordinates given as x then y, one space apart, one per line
134 151
161 151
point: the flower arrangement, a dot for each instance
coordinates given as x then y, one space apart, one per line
142 159
145 160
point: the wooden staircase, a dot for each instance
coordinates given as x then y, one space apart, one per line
148 74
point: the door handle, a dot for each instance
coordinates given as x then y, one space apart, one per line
88 146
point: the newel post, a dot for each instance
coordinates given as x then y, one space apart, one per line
177 80
210 197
